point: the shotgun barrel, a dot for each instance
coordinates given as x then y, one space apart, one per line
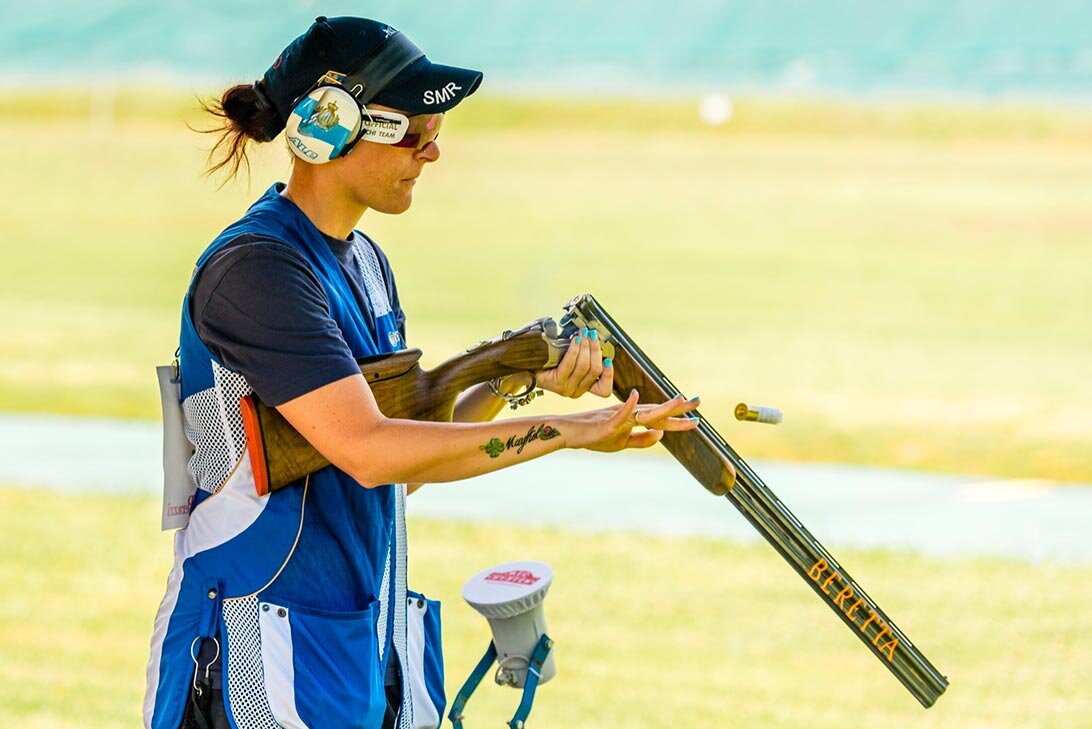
708 457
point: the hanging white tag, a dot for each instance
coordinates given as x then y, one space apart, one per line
178 489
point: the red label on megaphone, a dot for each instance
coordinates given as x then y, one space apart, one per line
513 577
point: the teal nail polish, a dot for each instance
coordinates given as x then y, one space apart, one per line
695 399
606 362
577 340
584 331
593 334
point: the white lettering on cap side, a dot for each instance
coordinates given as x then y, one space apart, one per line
439 96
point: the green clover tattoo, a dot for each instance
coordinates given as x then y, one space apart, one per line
494 447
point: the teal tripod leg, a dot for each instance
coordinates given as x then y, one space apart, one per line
534 673
456 713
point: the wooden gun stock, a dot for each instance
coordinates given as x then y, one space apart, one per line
279 455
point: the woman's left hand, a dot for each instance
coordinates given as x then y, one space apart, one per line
582 369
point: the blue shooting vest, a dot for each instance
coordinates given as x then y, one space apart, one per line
304 589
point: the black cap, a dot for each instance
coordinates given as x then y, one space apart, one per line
343 45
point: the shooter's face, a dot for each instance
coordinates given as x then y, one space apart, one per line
380 176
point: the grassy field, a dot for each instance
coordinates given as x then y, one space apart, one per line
651 632
910 285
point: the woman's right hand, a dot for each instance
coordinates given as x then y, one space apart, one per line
612 429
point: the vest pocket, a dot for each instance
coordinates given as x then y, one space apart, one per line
425 661
312 668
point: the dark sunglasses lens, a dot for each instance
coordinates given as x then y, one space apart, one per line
423 128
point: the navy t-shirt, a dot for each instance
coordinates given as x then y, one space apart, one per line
261 311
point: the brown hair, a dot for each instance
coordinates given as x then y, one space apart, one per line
244 115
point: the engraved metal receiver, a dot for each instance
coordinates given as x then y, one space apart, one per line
557 338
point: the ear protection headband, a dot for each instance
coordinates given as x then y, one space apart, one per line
328 120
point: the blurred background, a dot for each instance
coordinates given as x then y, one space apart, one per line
877 217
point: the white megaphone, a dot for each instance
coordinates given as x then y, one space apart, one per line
510 596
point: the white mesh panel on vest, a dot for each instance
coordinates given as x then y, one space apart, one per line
368 263
246 679
215 427
384 606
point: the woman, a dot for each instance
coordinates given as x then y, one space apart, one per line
292 609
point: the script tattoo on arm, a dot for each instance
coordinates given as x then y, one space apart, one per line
496 446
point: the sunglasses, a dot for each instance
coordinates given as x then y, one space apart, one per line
398 130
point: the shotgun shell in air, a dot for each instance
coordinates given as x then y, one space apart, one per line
758 414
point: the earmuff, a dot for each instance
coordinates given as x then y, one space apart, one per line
327 121
322 124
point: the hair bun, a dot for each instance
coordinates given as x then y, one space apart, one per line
242 106
246 115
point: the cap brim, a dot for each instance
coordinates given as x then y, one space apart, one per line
429 88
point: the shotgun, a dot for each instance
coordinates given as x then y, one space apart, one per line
279 456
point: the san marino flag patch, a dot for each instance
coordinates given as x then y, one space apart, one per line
322 120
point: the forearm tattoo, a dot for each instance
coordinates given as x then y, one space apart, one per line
496 446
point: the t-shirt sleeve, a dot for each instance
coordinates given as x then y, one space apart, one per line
260 309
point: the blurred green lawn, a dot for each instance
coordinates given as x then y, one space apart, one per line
910 285
651 632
